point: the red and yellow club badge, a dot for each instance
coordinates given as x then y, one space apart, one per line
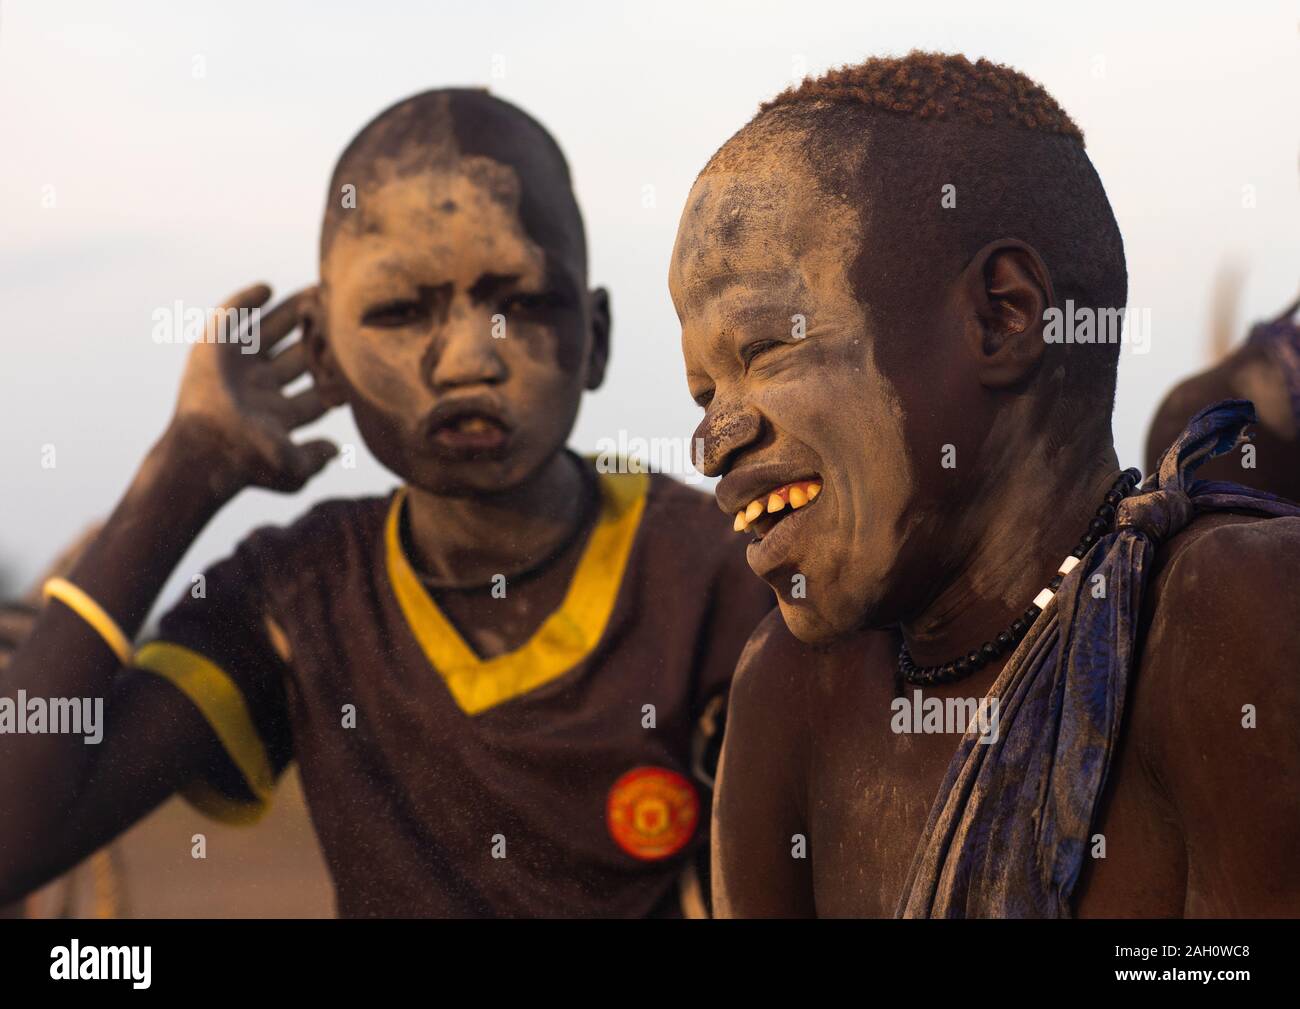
652 812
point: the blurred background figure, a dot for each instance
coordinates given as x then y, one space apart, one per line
1264 368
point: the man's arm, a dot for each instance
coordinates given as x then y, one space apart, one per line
757 805
62 797
1223 664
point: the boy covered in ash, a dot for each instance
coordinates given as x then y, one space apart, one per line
1012 682
490 678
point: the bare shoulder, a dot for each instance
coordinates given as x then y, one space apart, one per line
768 681
780 677
1223 632
1215 707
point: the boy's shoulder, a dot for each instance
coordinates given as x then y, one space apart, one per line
669 500
688 522
328 537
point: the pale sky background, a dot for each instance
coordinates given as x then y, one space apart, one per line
167 185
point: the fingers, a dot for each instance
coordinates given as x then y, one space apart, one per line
228 323
283 319
249 297
309 458
287 366
304 407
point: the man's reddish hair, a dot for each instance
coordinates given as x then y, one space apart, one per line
937 86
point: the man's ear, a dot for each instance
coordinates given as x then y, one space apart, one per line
1009 288
320 356
600 326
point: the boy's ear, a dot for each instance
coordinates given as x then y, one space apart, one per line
320 356
1007 289
600 326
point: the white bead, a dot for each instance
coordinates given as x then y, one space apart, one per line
1043 598
1068 565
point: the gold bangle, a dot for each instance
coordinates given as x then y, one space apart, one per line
92 613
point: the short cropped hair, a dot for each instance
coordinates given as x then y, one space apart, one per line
893 136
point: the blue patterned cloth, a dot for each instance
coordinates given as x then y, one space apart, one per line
1011 824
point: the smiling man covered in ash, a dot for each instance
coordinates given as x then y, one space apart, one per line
932 490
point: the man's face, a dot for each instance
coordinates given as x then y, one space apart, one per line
786 361
464 345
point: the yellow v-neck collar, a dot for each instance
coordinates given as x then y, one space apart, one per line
565 638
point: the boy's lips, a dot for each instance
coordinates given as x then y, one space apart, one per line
467 428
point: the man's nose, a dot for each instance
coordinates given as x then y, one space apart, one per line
466 350
728 428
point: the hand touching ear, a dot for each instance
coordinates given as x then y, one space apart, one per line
232 395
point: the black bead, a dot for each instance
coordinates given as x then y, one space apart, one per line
1055 583
961 666
1078 552
948 671
1031 614
1088 540
1097 527
975 658
1004 641
1106 513
989 651
1114 498
1017 627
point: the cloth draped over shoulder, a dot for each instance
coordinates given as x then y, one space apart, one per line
1010 826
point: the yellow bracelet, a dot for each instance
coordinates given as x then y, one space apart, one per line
92 613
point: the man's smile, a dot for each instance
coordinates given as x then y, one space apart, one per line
771 501
761 514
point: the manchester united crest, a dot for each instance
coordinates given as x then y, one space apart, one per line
652 812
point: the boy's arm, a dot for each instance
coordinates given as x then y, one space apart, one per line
63 797
756 805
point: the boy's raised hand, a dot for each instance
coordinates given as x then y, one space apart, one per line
232 406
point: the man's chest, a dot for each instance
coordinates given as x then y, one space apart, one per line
871 790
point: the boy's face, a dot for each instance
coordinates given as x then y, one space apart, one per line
787 361
461 342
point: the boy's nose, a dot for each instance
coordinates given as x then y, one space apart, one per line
465 351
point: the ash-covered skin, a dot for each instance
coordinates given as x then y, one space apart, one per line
445 247
868 400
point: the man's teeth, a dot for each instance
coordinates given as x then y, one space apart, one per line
796 495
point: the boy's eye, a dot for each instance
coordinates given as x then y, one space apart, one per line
529 302
752 350
394 313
